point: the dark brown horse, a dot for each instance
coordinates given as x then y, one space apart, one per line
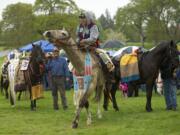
149 64
33 74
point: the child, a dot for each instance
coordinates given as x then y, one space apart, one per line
124 88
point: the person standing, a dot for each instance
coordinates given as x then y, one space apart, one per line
169 83
59 74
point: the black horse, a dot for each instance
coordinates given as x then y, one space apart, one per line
149 64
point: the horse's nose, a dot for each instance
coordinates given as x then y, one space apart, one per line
47 34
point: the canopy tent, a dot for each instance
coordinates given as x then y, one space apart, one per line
45 45
113 44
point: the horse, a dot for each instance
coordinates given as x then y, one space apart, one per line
32 75
4 72
4 79
149 63
62 39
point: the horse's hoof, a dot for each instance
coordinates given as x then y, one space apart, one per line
105 108
74 125
33 109
149 109
116 109
89 121
99 116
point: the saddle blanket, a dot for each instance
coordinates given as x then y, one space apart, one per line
19 80
37 92
81 81
129 69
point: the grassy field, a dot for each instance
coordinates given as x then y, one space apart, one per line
132 119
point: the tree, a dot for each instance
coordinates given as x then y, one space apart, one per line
106 21
131 16
55 6
17 24
56 21
154 19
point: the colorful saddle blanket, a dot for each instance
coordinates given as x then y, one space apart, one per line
81 81
129 68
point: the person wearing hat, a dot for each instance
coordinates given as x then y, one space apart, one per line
59 74
88 37
87 31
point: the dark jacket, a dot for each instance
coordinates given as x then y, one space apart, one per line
167 72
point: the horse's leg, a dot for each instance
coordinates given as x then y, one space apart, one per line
136 91
105 105
2 85
32 101
113 94
99 114
130 90
6 90
78 111
148 96
12 93
35 103
19 96
89 117
106 96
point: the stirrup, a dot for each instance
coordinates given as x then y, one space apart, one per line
110 66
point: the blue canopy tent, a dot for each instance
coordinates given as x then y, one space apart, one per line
45 45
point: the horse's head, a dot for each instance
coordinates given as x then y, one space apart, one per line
37 58
37 54
172 54
57 36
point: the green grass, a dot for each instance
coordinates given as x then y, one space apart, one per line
132 119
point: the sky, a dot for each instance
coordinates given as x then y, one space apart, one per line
96 6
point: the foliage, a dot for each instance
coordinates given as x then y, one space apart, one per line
113 35
106 21
55 6
56 21
153 20
20 26
17 24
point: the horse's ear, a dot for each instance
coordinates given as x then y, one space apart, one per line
172 43
64 29
69 32
40 32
